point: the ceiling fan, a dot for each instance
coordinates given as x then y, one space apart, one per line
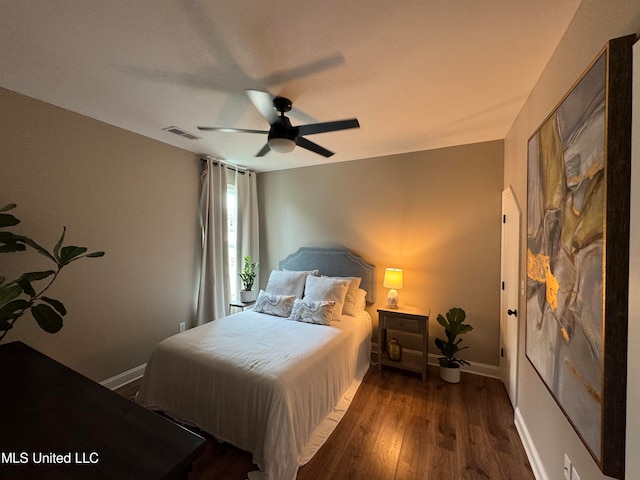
282 137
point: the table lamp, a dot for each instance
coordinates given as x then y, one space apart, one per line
392 280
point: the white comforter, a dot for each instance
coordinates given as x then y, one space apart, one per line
259 382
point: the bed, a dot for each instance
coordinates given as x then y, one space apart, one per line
263 382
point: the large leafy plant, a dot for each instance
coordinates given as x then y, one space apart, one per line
27 292
453 326
248 274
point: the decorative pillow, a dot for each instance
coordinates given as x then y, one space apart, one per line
361 301
273 304
309 311
350 297
286 283
331 289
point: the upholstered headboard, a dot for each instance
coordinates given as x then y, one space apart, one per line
334 262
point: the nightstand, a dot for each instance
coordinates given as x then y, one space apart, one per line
407 320
240 305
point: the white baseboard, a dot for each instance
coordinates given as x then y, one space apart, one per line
482 369
530 447
124 377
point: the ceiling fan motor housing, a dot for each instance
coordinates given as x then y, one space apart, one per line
283 129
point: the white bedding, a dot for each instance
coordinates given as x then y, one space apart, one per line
259 382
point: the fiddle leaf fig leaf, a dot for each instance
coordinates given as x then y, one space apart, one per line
10 242
8 292
56 304
7 207
40 249
56 248
69 253
12 310
27 287
47 318
8 220
5 325
94 254
12 247
33 276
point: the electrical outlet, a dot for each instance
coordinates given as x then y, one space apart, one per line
183 325
574 474
567 467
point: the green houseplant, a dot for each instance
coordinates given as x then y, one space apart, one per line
26 293
453 326
248 277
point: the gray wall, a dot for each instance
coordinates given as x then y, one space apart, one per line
116 191
435 214
550 433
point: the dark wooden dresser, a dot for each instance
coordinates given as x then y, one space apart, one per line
58 424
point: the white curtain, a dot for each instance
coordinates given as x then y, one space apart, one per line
247 242
213 294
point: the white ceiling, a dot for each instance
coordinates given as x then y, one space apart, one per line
418 74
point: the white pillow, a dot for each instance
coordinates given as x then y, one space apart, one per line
286 283
273 304
310 272
361 301
350 297
317 312
331 289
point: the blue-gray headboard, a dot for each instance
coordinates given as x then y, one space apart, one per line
334 262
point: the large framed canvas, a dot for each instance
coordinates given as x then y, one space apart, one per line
579 164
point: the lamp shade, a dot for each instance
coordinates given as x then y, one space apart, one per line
282 145
393 278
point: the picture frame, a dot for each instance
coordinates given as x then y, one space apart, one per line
578 180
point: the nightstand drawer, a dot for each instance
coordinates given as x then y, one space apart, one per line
402 323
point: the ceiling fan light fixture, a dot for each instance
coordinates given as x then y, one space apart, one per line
282 145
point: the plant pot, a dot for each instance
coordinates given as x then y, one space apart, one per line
450 374
247 296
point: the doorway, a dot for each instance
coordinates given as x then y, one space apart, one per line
509 293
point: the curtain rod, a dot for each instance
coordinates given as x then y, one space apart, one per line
235 168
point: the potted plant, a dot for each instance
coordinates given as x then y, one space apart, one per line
453 326
26 293
248 277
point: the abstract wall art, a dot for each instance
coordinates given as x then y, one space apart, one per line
579 163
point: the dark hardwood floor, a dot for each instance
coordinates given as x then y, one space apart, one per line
399 427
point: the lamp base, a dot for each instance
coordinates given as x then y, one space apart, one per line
392 298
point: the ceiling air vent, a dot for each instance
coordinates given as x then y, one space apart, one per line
182 133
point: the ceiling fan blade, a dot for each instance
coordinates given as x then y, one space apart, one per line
263 101
314 147
263 151
322 127
230 130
